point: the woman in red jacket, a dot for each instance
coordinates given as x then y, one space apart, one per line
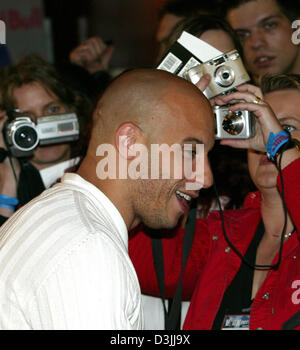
258 287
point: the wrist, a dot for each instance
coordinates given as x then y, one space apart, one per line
8 200
279 143
276 143
8 204
9 174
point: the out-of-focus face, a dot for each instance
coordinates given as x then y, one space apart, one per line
166 24
266 36
35 101
286 105
219 39
159 203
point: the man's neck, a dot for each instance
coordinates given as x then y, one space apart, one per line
113 189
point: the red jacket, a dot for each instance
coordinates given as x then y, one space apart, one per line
212 265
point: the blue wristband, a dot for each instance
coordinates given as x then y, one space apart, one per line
275 142
10 207
8 200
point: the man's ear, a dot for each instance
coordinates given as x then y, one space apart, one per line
127 136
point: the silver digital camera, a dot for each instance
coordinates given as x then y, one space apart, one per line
227 72
22 135
233 125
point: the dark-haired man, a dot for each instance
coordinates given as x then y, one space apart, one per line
265 30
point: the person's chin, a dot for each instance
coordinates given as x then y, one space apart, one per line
267 183
165 223
50 155
174 220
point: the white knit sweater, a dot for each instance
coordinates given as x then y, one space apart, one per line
64 263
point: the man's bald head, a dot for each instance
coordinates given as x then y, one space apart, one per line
140 110
142 97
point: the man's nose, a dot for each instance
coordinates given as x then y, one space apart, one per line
202 176
256 39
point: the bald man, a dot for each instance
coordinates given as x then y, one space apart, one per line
64 256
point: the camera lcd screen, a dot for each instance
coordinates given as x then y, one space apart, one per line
63 127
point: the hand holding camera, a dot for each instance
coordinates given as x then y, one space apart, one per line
227 72
9 170
3 119
22 135
246 99
249 98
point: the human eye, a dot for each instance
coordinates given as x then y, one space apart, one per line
243 34
54 109
193 154
270 25
188 150
288 128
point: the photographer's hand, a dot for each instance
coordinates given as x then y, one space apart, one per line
93 55
8 184
249 97
2 122
203 83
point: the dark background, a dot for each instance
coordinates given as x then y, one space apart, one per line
130 24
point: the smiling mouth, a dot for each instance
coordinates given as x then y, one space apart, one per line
264 61
184 200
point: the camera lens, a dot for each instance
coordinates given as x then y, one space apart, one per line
224 76
25 138
234 123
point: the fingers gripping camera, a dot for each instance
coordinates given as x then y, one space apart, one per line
227 72
22 135
233 125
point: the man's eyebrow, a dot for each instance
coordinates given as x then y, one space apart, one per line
193 139
268 18
260 22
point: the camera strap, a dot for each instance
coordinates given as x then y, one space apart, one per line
3 154
173 315
30 183
292 322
